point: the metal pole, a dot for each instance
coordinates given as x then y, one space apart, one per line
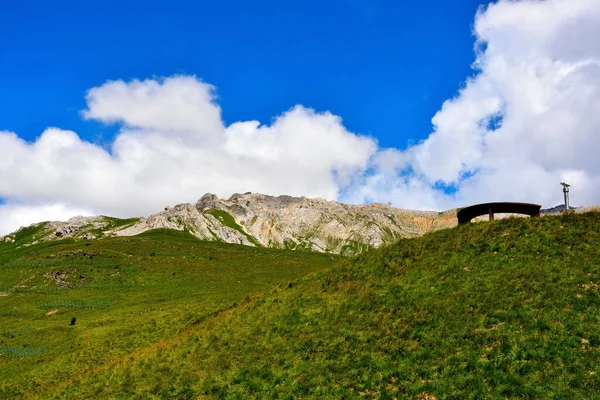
566 192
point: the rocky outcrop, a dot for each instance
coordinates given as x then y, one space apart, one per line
77 227
295 222
586 209
80 227
187 217
272 221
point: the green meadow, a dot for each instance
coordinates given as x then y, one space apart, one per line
124 294
503 309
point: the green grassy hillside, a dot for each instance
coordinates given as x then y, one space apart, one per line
126 295
506 309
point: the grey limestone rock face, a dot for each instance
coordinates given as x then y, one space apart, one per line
188 217
76 226
294 222
208 201
255 219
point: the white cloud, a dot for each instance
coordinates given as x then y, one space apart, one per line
14 216
526 119
180 106
153 163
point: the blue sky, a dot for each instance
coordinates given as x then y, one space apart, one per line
384 66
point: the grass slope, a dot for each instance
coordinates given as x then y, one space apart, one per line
228 221
126 294
27 236
504 309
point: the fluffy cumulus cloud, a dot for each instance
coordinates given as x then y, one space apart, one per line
16 215
172 147
527 118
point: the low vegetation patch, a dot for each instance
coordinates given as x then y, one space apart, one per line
12 334
76 304
22 352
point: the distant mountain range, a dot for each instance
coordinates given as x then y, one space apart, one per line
259 220
255 219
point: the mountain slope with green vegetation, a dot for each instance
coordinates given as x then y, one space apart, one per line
71 307
254 219
503 309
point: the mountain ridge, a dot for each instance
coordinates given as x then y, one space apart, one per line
255 219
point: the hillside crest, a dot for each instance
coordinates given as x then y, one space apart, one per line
255 219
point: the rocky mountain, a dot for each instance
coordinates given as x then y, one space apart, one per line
556 210
255 219
259 220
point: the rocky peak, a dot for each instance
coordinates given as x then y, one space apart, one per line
208 201
256 219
